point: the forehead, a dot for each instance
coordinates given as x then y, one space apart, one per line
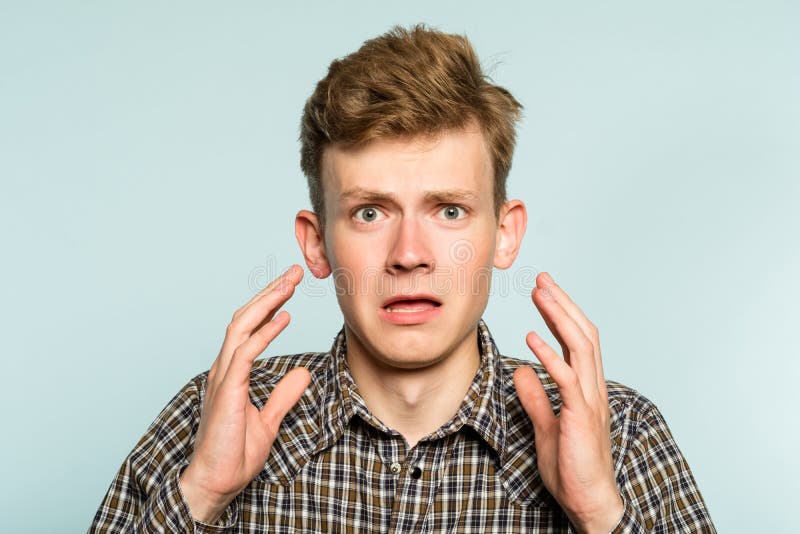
452 160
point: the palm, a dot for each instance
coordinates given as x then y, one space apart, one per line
234 437
574 447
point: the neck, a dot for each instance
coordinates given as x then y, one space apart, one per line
418 401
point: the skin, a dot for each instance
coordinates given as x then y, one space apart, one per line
412 377
573 449
406 216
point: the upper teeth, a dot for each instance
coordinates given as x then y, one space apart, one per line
405 310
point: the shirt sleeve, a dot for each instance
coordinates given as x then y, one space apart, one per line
657 487
145 495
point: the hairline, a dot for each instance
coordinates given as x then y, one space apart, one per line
412 137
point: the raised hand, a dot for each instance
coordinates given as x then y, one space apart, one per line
234 437
573 449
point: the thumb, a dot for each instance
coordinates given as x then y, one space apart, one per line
534 399
285 395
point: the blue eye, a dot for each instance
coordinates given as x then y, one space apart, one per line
453 212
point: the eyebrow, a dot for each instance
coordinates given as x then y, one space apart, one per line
438 195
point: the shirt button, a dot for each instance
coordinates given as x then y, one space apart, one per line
416 472
395 468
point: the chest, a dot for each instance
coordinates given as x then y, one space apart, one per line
368 486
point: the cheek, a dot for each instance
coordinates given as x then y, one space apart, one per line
471 262
469 251
356 269
357 255
477 277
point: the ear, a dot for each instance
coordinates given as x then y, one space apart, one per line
308 231
510 229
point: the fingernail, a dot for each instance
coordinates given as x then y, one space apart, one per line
548 278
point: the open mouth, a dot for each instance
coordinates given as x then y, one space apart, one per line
411 304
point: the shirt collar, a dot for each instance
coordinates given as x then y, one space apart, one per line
491 408
483 408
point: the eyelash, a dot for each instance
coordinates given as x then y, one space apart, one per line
462 209
463 212
362 208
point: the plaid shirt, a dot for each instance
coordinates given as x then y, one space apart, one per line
335 468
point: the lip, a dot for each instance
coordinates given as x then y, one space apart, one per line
410 317
414 296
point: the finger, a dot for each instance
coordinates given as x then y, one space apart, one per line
556 334
263 305
242 359
289 278
285 395
534 400
242 325
581 349
565 377
256 314
291 271
589 329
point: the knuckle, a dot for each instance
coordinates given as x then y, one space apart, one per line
585 345
573 380
591 325
239 353
594 331
232 328
579 346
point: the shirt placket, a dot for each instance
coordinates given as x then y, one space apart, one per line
413 486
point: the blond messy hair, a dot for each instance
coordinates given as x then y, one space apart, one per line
405 83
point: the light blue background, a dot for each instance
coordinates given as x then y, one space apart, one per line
150 176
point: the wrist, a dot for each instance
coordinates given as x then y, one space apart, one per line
604 520
203 505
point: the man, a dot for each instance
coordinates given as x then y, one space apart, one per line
412 422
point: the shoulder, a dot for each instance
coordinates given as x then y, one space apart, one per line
273 368
621 398
632 415
616 391
265 374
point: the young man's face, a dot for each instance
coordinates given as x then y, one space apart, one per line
411 236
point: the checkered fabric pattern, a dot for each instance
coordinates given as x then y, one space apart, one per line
335 468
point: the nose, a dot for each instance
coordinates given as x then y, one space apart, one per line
409 249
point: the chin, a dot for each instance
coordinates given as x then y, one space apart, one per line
406 351
410 346
399 347
410 360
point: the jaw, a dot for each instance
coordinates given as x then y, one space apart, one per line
389 348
